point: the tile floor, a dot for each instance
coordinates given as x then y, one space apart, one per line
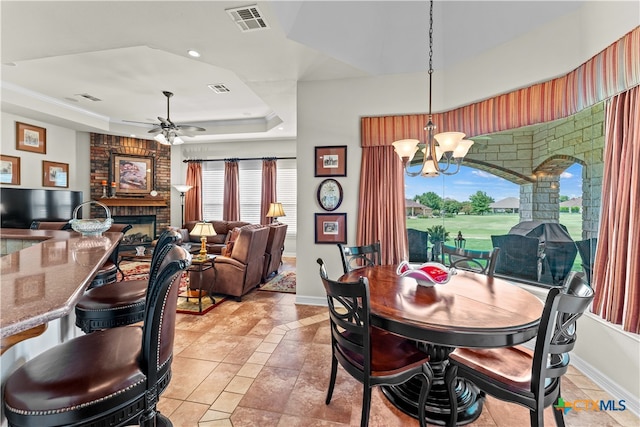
265 362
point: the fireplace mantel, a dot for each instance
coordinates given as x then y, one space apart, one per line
133 201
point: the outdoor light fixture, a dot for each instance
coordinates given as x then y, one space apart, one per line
448 148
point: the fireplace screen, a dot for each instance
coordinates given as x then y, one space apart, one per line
143 229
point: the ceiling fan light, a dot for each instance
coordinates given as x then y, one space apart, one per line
177 140
448 141
161 139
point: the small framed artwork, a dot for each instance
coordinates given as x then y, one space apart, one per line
55 174
329 194
331 161
331 228
9 170
31 138
133 175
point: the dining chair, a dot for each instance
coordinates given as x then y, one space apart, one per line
108 378
483 262
359 256
121 303
369 354
418 242
519 375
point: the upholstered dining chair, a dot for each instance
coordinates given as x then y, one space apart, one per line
359 256
371 355
121 303
518 375
483 262
108 378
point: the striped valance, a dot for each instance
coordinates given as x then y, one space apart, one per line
615 69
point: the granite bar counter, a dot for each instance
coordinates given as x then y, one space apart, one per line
44 281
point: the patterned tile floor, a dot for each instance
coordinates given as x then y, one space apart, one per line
265 362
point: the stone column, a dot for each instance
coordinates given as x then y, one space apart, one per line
546 199
526 202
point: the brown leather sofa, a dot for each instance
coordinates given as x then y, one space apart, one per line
216 243
275 248
241 270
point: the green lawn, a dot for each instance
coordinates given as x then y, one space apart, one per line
477 229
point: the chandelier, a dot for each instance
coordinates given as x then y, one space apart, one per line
168 137
440 151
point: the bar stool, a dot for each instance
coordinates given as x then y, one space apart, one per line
108 272
110 377
121 303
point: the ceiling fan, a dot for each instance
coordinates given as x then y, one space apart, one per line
169 133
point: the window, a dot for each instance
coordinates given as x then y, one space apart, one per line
250 175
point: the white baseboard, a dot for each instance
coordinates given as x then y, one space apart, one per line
306 300
604 382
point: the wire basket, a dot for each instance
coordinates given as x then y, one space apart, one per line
91 226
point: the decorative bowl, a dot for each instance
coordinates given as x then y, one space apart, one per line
91 226
427 274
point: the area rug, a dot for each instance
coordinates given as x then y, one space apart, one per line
135 270
283 282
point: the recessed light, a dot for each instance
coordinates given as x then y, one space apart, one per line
194 53
280 128
133 135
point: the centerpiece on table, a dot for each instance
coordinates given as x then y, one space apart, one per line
427 274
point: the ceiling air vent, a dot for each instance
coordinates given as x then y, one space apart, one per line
219 88
89 97
248 18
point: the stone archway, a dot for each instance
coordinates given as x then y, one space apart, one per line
535 156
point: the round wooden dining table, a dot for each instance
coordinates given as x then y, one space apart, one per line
471 310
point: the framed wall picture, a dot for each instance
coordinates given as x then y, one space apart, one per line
55 174
133 175
331 228
31 138
329 194
9 170
331 160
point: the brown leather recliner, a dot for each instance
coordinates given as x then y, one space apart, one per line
241 270
275 248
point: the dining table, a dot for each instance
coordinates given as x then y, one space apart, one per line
470 310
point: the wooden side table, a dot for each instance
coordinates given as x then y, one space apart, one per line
200 266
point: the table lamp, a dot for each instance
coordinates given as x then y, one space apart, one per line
203 229
275 210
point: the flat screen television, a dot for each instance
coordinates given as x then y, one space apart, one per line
19 207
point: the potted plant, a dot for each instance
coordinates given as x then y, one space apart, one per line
437 235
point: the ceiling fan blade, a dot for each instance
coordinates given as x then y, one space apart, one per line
191 128
142 123
165 121
155 130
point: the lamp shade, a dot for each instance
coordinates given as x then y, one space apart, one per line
448 141
275 210
182 188
161 139
203 229
406 148
462 149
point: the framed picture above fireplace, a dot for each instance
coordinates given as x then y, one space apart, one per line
133 174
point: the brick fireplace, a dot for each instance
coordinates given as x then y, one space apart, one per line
103 150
